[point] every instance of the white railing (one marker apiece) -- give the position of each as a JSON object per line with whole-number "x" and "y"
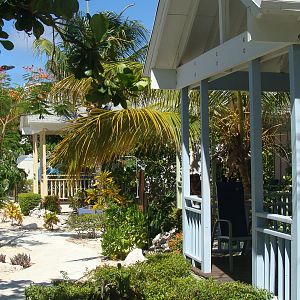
{"x": 65, "y": 186}
{"x": 193, "y": 244}
{"x": 277, "y": 244}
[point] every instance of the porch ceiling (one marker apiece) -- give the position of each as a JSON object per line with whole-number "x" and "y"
{"x": 185, "y": 30}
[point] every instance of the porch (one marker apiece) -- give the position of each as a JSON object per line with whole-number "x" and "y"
{"x": 241, "y": 45}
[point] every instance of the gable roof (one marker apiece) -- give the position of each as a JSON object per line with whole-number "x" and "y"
{"x": 186, "y": 29}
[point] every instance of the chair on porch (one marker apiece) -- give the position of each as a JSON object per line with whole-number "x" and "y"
{"x": 231, "y": 223}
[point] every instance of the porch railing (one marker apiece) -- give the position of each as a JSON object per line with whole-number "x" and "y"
{"x": 65, "y": 186}
{"x": 276, "y": 237}
{"x": 195, "y": 243}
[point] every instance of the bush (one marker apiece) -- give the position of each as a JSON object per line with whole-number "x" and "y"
{"x": 175, "y": 244}
{"x": 50, "y": 219}
{"x": 52, "y": 203}
{"x": 162, "y": 277}
{"x": 124, "y": 230}
{"x": 28, "y": 201}
{"x": 21, "y": 259}
{"x": 13, "y": 212}
{"x": 86, "y": 225}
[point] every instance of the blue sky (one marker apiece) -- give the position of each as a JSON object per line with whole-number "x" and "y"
{"x": 21, "y": 56}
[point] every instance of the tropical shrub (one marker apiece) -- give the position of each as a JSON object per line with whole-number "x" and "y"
{"x": 86, "y": 224}
{"x": 28, "y": 201}
{"x": 50, "y": 219}
{"x": 78, "y": 200}
{"x": 175, "y": 244}
{"x": 162, "y": 277}
{"x": 104, "y": 191}
{"x": 124, "y": 230}
{"x": 13, "y": 212}
{"x": 52, "y": 203}
{"x": 21, "y": 259}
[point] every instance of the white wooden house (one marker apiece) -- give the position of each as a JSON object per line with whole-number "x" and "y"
{"x": 234, "y": 45}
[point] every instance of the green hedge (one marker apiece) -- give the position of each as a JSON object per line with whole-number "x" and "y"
{"x": 162, "y": 277}
{"x": 28, "y": 201}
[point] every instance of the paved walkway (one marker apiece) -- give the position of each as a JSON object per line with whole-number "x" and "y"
{"x": 51, "y": 253}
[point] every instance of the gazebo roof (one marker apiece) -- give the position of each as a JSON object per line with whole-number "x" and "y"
{"x": 185, "y": 31}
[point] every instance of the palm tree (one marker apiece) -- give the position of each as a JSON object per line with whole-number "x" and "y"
{"x": 153, "y": 118}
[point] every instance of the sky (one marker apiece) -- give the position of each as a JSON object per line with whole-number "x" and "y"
{"x": 22, "y": 56}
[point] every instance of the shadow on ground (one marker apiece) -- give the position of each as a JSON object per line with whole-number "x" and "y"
{"x": 13, "y": 290}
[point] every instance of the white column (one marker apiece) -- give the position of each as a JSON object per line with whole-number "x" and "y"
{"x": 35, "y": 163}
{"x": 185, "y": 158}
{"x": 294, "y": 66}
{"x": 205, "y": 179}
{"x": 256, "y": 172}
{"x": 43, "y": 164}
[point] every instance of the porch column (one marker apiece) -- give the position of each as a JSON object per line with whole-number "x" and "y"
{"x": 256, "y": 173}
{"x": 43, "y": 164}
{"x": 185, "y": 137}
{"x": 178, "y": 182}
{"x": 205, "y": 178}
{"x": 35, "y": 163}
{"x": 294, "y": 66}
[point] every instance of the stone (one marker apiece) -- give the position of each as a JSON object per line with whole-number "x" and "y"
{"x": 136, "y": 255}
{"x": 156, "y": 239}
{"x": 31, "y": 226}
{"x": 6, "y": 267}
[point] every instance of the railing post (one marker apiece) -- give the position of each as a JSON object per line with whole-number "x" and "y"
{"x": 294, "y": 67}
{"x": 256, "y": 173}
{"x": 185, "y": 160}
{"x": 205, "y": 179}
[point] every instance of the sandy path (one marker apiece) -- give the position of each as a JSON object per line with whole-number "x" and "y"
{"x": 51, "y": 253}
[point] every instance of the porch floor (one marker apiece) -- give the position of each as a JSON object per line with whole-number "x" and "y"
{"x": 220, "y": 269}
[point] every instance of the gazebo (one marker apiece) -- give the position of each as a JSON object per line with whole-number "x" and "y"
{"x": 248, "y": 45}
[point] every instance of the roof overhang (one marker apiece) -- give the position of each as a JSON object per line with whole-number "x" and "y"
{"x": 262, "y": 28}
{"x": 50, "y": 124}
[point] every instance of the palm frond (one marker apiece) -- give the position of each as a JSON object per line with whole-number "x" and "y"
{"x": 105, "y": 135}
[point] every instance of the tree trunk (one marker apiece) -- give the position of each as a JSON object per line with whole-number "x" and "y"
{"x": 244, "y": 172}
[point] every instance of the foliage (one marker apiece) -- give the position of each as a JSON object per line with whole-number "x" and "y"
{"x": 52, "y": 203}
{"x": 125, "y": 172}
{"x": 2, "y": 258}
{"x": 176, "y": 243}
{"x": 98, "y": 40}
{"x": 230, "y": 125}
{"x": 86, "y": 224}
{"x": 63, "y": 291}
{"x": 124, "y": 230}
{"x": 105, "y": 135}
{"x": 31, "y": 16}
{"x": 105, "y": 191}
{"x": 28, "y": 201}
{"x": 21, "y": 259}
{"x": 78, "y": 200}
{"x": 13, "y": 103}
{"x": 13, "y": 212}
{"x": 50, "y": 219}
{"x": 161, "y": 277}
